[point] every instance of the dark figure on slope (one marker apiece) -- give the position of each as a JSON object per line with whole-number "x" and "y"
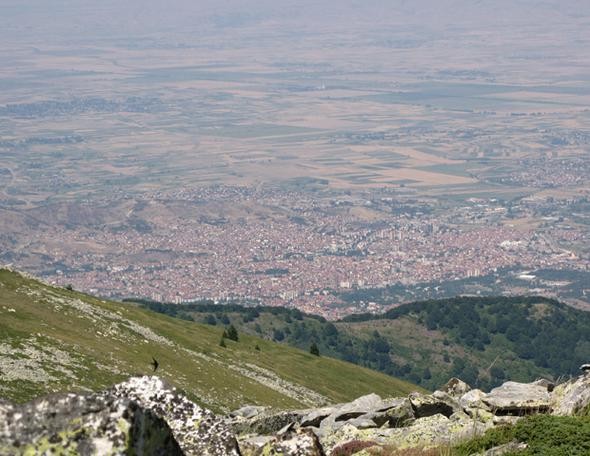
{"x": 155, "y": 364}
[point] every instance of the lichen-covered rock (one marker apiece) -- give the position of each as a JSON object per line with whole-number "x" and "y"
{"x": 267, "y": 422}
{"x": 425, "y": 432}
{"x": 507, "y": 448}
{"x": 472, "y": 403}
{"x": 455, "y": 387}
{"x": 436, "y": 403}
{"x": 358, "y": 407}
{"x": 315, "y": 417}
{"x": 362, "y": 423}
{"x": 365, "y": 412}
{"x": 253, "y": 444}
{"x": 142, "y": 416}
{"x": 197, "y": 430}
{"x": 473, "y": 398}
{"x": 399, "y": 414}
{"x": 84, "y": 424}
{"x": 513, "y": 398}
{"x": 300, "y": 442}
{"x": 248, "y": 411}
{"x": 572, "y": 397}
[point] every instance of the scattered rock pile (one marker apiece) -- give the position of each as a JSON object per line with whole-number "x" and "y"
{"x": 145, "y": 416}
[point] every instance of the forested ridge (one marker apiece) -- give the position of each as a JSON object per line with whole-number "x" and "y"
{"x": 483, "y": 340}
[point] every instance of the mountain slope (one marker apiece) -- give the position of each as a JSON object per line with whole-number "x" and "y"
{"x": 483, "y": 340}
{"x": 52, "y": 339}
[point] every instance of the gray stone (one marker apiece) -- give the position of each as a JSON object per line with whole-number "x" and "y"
{"x": 363, "y": 411}
{"x": 572, "y": 397}
{"x": 300, "y": 442}
{"x": 253, "y": 444}
{"x": 436, "y": 403}
{"x": 473, "y": 398}
{"x": 84, "y": 424}
{"x": 472, "y": 403}
{"x": 266, "y": 423}
{"x": 402, "y": 414}
{"x": 315, "y": 417}
{"x": 423, "y": 433}
{"x": 358, "y": 407}
{"x": 509, "y": 447}
{"x": 455, "y": 387}
{"x": 362, "y": 423}
{"x": 248, "y": 411}
{"x": 513, "y": 398}
{"x": 198, "y": 431}
{"x": 506, "y": 420}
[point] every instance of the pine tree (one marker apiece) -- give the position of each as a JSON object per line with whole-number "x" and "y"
{"x": 314, "y": 350}
{"x": 232, "y": 333}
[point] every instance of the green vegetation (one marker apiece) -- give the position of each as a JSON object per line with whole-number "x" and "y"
{"x": 545, "y": 436}
{"x": 482, "y": 340}
{"x": 232, "y": 333}
{"x": 53, "y": 339}
{"x": 314, "y": 350}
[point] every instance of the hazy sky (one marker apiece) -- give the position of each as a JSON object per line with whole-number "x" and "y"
{"x": 55, "y": 20}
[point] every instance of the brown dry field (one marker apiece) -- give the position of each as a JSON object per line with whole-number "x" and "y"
{"x": 359, "y": 105}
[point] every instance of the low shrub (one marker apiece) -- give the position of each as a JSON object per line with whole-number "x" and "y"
{"x": 545, "y": 435}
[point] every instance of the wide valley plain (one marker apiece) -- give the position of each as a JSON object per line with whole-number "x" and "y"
{"x": 310, "y": 157}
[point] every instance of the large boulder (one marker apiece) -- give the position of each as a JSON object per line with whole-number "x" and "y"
{"x": 84, "y": 424}
{"x": 473, "y": 398}
{"x": 473, "y": 404}
{"x": 513, "y": 398}
{"x": 315, "y": 417}
{"x": 436, "y": 403}
{"x": 455, "y": 388}
{"x": 197, "y": 430}
{"x": 397, "y": 412}
{"x": 572, "y": 397}
{"x": 365, "y": 412}
{"x": 266, "y": 423}
{"x": 140, "y": 416}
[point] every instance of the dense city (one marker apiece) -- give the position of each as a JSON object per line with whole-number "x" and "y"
{"x": 223, "y": 243}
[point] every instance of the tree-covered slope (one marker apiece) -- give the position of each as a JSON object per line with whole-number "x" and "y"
{"x": 483, "y": 340}
{"x": 53, "y": 339}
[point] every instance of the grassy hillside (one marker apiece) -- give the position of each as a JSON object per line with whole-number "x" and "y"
{"x": 52, "y": 339}
{"x": 481, "y": 340}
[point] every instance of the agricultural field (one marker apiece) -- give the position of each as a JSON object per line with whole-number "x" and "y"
{"x": 161, "y": 153}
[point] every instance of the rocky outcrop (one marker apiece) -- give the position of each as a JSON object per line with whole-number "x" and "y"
{"x": 572, "y": 397}
{"x": 267, "y": 422}
{"x": 433, "y": 404}
{"x": 197, "y": 430}
{"x": 455, "y": 387}
{"x": 453, "y": 413}
{"x": 519, "y": 399}
{"x": 140, "y": 416}
{"x": 146, "y": 416}
{"x": 84, "y": 424}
